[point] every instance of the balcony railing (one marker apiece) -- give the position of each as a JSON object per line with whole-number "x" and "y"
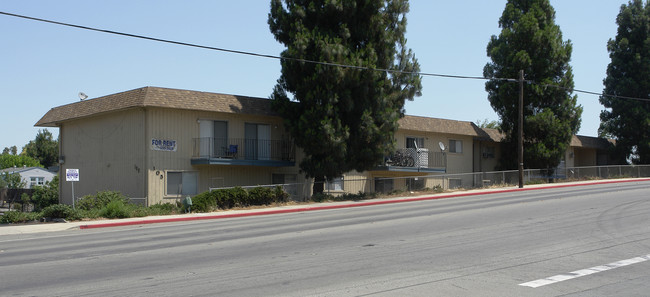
{"x": 243, "y": 149}
{"x": 417, "y": 158}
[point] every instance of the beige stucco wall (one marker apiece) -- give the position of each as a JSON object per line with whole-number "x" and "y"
{"x": 108, "y": 150}
{"x": 584, "y": 157}
{"x": 183, "y": 127}
{"x": 482, "y": 163}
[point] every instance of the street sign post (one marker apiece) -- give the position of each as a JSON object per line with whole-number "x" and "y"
{"x": 72, "y": 175}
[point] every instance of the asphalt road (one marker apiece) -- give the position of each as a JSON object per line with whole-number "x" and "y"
{"x": 580, "y": 241}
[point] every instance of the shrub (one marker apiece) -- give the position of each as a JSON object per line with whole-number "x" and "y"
{"x": 355, "y": 197}
{"x": 321, "y": 197}
{"x": 222, "y": 199}
{"x": 91, "y": 214}
{"x": 163, "y": 209}
{"x": 100, "y": 200}
{"x": 280, "y": 195}
{"x": 47, "y": 195}
{"x": 13, "y": 217}
{"x": 116, "y": 209}
{"x": 204, "y": 202}
{"x": 61, "y": 211}
{"x": 239, "y": 197}
{"x": 260, "y": 196}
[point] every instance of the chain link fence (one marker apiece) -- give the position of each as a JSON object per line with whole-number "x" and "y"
{"x": 474, "y": 180}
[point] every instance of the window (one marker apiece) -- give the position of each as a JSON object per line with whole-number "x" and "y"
{"x": 488, "y": 152}
{"x": 416, "y": 183}
{"x": 182, "y": 183}
{"x": 335, "y": 185}
{"x": 213, "y": 141}
{"x": 415, "y": 142}
{"x": 36, "y": 181}
{"x": 383, "y": 185}
{"x": 455, "y": 146}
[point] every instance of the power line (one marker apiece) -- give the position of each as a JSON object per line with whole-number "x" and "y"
{"x": 304, "y": 60}
{"x": 245, "y": 52}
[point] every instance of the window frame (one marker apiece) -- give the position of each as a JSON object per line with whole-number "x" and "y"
{"x": 183, "y": 174}
{"x": 419, "y": 141}
{"x": 336, "y": 185}
{"x": 455, "y": 146}
{"x": 36, "y": 181}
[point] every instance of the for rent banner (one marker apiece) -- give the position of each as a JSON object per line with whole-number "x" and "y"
{"x": 163, "y": 145}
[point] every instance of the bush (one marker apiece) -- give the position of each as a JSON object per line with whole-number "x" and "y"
{"x": 223, "y": 198}
{"x": 280, "y": 194}
{"x": 13, "y": 217}
{"x": 101, "y": 200}
{"x": 204, "y": 202}
{"x": 355, "y": 197}
{"x": 321, "y": 197}
{"x": 116, "y": 209}
{"x": 239, "y": 197}
{"x": 47, "y": 195}
{"x": 163, "y": 209}
{"x": 61, "y": 211}
{"x": 260, "y": 196}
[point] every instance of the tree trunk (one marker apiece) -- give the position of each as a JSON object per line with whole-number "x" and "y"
{"x": 319, "y": 185}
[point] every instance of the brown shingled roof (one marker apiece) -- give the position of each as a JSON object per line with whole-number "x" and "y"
{"x": 591, "y": 142}
{"x": 425, "y": 124}
{"x": 204, "y": 101}
{"x": 157, "y": 97}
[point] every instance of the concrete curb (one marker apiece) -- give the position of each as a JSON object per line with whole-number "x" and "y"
{"x": 350, "y": 204}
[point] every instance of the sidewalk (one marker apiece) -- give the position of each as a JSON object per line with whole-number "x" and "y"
{"x": 51, "y": 227}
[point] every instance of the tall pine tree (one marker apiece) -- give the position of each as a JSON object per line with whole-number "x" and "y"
{"x": 531, "y": 41}
{"x": 343, "y": 118}
{"x": 628, "y": 74}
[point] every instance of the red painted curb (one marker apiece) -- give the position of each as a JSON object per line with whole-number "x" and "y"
{"x": 349, "y": 205}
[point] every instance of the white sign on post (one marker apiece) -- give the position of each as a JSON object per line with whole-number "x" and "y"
{"x": 72, "y": 175}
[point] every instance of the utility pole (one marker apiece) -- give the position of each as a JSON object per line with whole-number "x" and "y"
{"x": 520, "y": 144}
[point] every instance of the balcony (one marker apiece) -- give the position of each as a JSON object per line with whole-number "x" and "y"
{"x": 415, "y": 160}
{"x": 240, "y": 151}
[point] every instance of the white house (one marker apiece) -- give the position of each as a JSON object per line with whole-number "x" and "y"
{"x": 32, "y": 176}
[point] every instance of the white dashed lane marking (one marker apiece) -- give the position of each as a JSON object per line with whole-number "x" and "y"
{"x": 583, "y": 272}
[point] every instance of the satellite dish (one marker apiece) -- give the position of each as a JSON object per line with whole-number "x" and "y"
{"x": 442, "y": 146}
{"x": 82, "y": 96}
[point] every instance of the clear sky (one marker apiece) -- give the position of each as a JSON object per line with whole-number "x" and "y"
{"x": 45, "y": 65}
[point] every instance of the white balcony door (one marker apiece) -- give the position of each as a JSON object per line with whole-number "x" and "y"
{"x": 206, "y": 133}
{"x": 264, "y": 142}
{"x": 258, "y": 141}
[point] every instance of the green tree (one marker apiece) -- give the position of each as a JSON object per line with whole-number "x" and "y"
{"x": 343, "y": 118}
{"x": 46, "y": 195}
{"x": 43, "y": 148}
{"x": 11, "y": 181}
{"x": 628, "y": 74}
{"x": 531, "y": 41}
{"x": 7, "y": 161}
{"x": 10, "y": 150}
{"x": 488, "y": 124}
